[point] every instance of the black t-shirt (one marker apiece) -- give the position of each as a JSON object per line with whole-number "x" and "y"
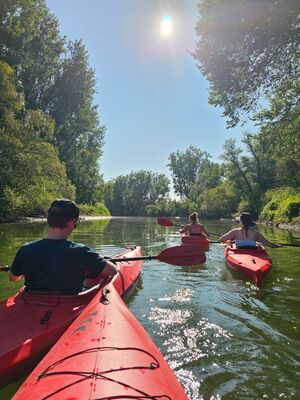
{"x": 57, "y": 265}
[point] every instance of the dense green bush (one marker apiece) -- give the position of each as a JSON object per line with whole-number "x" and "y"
{"x": 98, "y": 209}
{"x": 282, "y": 205}
{"x": 171, "y": 208}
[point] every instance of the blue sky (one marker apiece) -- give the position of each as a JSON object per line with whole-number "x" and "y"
{"x": 151, "y": 96}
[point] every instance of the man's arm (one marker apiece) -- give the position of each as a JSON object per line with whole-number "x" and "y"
{"x": 15, "y": 278}
{"x": 110, "y": 269}
{"x": 16, "y": 270}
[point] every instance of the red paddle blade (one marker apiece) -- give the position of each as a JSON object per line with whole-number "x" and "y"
{"x": 185, "y": 255}
{"x": 164, "y": 221}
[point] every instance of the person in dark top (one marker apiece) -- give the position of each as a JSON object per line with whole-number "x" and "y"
{"x": 54, "y": 263}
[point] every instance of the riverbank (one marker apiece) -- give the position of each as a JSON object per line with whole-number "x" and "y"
{"x": 283, "y": 225}
{"x": 83, "y": 218}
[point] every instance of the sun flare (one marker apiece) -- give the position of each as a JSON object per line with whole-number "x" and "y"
{"x": 166, "y": 25}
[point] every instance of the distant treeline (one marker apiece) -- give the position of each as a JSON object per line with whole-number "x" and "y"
{"x": 51, "y": 138}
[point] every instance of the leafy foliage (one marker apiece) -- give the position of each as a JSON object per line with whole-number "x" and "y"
{"x": 32, "y": 174}
{"x": 97, "y": 209}
{"x": 131, "y": 194}
{"x": 184, "y": 167}
{"x": 30, "y": 43}
{"x": 46, "y": 97}
{"x": 78, "y": 135}
{"x": 282, "y": 205}
{"x": 247, "y": 49}
{"x": 171, "y": 208}
{"x": 220, "y": 201}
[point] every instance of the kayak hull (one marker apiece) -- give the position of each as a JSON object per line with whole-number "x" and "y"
{"x": 195, "y": 240}
{"x": 253, "y": 263}
{"x": 32, "y": 323}
{"x": 105, "y": 354}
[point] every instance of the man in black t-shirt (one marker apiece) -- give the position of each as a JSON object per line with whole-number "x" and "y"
{"x": 54, "y": 263}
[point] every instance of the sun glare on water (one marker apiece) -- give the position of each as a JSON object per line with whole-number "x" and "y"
{"x": 166, "y": 25}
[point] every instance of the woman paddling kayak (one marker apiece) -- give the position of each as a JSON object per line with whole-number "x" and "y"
{"x": 245, "y": 236}
{"x": 194, "y": 228}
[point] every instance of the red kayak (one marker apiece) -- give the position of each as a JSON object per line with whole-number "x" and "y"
{"x": 252, "y": 262}
{"x": 105, "y": 354}
{"x": 196, "y": 240}
{"x": 32, "y": 323}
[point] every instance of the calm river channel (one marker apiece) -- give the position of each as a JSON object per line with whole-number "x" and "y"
{"x": 223, "y": 337}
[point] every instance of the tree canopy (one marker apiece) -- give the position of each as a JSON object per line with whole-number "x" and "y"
{"x": 247, "y": 50}
{"x": 131, "y": 194}
{"x": 46, "y": 97}
{"x": 184, "y": 167}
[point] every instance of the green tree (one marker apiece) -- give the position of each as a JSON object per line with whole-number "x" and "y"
{"x": 132, "y": 193}
{"x": 32, "y": 174}
{"x": 184, "y": 167}
{"x": 220, "y": 202}
{"x": 236, "y": 166}
{"x": 56, "y": 79}
{"x": 247, "y": 49}
{"x": 208, "y": 177}
{"x": 30, "y": 43}
{"x": 251, "y": 174}
{"x": 78, "y": 134}
{"x": 280, "y": 124}
{"x": 11, "y": 101}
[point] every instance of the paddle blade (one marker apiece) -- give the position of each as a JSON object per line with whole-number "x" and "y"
{"x": 164, "y": 221}
{"x": 185, "y": 255}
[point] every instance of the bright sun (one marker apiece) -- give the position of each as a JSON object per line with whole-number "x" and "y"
{"x": 166, "y": 25}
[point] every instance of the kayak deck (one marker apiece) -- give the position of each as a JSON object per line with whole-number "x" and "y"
{"x": 32, "y": 323}
{"x": 252, "y": 262}
{"x": 105, "y": 354}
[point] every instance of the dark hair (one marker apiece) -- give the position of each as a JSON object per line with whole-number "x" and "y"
{"x": 61, "y": 211}
{"x": 194, "y": 216}
{"x": 246, "y": 220}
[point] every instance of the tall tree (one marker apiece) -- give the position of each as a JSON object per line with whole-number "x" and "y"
{"x": 220, "y": 202}
{"x": 32, "y": 174}
{"x": 78, "y": 134}
{"x": 247, "y": 49}
{"x": 132, "y": 193}
{"x": 184, "y": 167}
{"x": 31, "y": 44}
{"x": 208, "y": 177}
{"x": 281, "y": 123}
{"x": 58, "y": 80}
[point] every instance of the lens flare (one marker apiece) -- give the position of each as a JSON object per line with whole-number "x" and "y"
{"x": 166, "y": 25}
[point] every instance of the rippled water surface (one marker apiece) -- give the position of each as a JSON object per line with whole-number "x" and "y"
{"x": 223, "y": 337}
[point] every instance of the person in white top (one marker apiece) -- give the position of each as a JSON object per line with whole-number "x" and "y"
{"x": 245, "y": 235}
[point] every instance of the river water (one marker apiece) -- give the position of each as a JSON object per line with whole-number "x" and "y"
{"x": 223, "y": 337}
